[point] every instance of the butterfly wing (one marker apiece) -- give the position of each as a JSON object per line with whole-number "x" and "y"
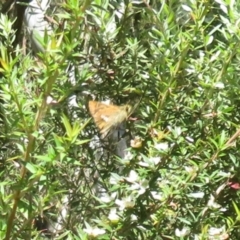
{"x": 106, "y": 116}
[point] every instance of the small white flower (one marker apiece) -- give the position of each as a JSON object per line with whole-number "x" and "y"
{"x": 161, "y": 146}
{"x": 178, "y": 131}
{"x": 155, "y": 160}
{"x": 157, "y": 196}
{"x": 128, "y": 156}
{"x": 182, "y": 233}
{"x": 196, "y": 237}
{"x": 50, "y": 100}
{"x": 144, "y": 164}
{"x": 189, "y": 139}
{"x": 133, "y": 176}
{"x": 150, "y": 162}
{"x": 94, "y": 232}
{"x": 125, "y": 203}
{"x": 196, "y": 195}
{"x": 215, "y": 231}
{"x": 140, "y": 187}
{"x": 133, "y": 218}
{"x": 219, "y": 85}
{"x": 106, "y": 198}
{"x": 25, "y": 140}
{"x": 212, "y": 204}
{"x": 112, "y": 216}
{"x": 191, "y": 169}
{"x": 223, "y": 209}
{"x": 115, "y": 179}
{"x": 186, "y": 8}
{"x": 207, "y": 180}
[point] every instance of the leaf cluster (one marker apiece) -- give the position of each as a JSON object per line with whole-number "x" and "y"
{"x": 181, "y": 60}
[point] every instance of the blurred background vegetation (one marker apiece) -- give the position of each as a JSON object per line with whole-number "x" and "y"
{"x": 180, "y": 59}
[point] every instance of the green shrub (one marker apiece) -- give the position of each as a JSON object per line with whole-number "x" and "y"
{"x": 180, "y": 61}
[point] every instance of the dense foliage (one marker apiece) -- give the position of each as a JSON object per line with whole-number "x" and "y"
{"x": 180, "y": 61}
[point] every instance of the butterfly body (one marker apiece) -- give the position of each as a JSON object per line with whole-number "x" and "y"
{"x": 108, "y": 117}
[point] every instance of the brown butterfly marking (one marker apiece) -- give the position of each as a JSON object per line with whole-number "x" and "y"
{"x": 108, "y": 117}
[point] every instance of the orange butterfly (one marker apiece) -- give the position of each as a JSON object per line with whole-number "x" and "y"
{"x": 108, "y": 117}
